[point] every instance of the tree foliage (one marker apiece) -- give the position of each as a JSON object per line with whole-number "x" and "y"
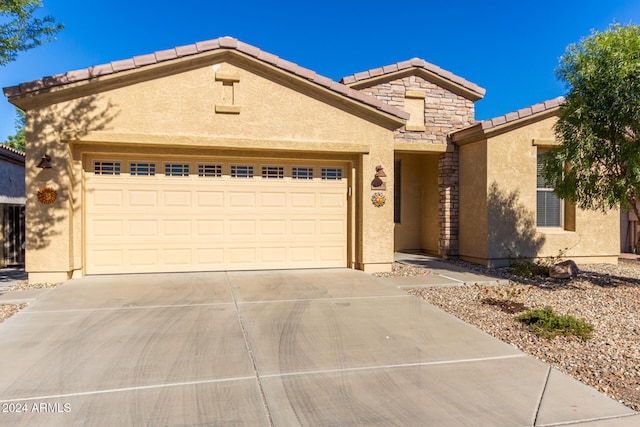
{"x": 597, "y": 165}
{"x": 21, "y": 30}
{"x": 17, "y": 141}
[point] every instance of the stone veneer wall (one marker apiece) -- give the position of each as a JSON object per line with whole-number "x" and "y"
{"x": 444, "y": 112}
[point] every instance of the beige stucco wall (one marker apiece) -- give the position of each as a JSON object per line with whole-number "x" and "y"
{"x": 430, "y": 205}
{"x": 418, "y": 229}
{"x": 175, "y": 108}
{"x": 506, "y": 191}
{"x": 473, "y": 201}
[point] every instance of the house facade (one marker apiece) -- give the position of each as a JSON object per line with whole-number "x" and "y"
{"x": 220, "y": 156}
{"x": 12, "y": 200}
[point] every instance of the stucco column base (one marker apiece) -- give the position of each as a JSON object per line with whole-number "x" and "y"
{"x": 376, "y": 268}
{"x": 48, "y": 277}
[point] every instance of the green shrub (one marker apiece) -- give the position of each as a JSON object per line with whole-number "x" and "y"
{"x": 547, "y": 324}
{"x": 525, "y": 268}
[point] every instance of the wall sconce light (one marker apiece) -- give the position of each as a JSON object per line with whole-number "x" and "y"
{"x": 377, "y": 183}
{"x": 45, "y": 162}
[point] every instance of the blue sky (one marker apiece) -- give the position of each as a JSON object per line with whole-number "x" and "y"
{"x": 509, "y": 48}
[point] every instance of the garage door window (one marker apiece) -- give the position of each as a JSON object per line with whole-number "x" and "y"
{"x": 211, "y": 171}
{"x": 143, "y": 169}
{"x": 301, "y": 173}
{"x": 176, "y": 169}
{"x": 241, "y": 171}
{"x": 106, "y": 168}
{"x": 273, "y": 172}
{"x": 334, "y": 174}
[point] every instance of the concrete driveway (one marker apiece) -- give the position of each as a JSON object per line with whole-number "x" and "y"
{"x": 285, "y": 348}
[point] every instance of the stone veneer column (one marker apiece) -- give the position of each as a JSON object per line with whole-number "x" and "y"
{"x": 448, "y": 203}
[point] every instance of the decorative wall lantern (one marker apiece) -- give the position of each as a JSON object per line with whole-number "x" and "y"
{"x": 45, "y": 162}
{"x": 377, "y": 183}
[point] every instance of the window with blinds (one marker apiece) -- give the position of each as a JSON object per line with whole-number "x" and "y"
{"x": 548, "y": 205}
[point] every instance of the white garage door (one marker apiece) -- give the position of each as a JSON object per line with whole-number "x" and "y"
{"x": 168, "y": 215}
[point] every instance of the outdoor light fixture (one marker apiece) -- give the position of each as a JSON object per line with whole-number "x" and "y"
{"x": 45, "y": 162}
{"x": 377, "y": 183}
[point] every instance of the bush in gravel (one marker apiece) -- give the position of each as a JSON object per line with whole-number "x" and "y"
{"x": 525, "y": 267}
{"x": 548, "y": 324}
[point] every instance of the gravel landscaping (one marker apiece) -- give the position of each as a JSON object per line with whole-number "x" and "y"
{"x": 607, "y": 296}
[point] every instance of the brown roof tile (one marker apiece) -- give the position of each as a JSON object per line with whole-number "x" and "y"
{"x": 143, "y": 60}
{"x": 126, "y": 64}
{"x": 166, "y": 55}
{"x": 207, "y": 45}
{"x": 414, "y": 63}
{"x": 522, "y": 113}
{"x": 190, "y": 49}
{"x": 200, "y": 47}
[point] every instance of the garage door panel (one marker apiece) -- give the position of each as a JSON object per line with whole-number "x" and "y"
{"x": 241, "y": 199}
{"x": 177, "y": 257}
{"x": 107, "y": 198}
{"x": 177, "y": 228}
{"x": 273, "y": 255}
{"x": 180, "y": 199}
{"x": 303, "y": 200}
{"x": 106, "y": 228}
{"x": 142, "y": 228}
{"x": 192, "y": 223}
{"x": 207, "y": 228}
{"x": 332, "y": 200}
{"x": 209, "y": 199}
{"x": 148, "y": 199}
{"x": 273, "y": 227}
{"x": 142, "y": 257}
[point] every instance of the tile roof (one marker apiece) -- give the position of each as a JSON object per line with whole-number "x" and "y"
{"x": 522, "y": 113}
{"x": 11, "y": 153}
{"x": 414, "y": 63}
{"x": 194, "y": 49}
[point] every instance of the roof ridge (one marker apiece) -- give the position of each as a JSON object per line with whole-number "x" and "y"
{"x": 413, "y": 63}
{"x": 225, "y": 42}
{"x": 522, "y": 113}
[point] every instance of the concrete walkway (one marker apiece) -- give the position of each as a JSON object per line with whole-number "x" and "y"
{"x": 442, "y": 273}
{"x": 280, "y": 348}
{"x": 11, "y": 275}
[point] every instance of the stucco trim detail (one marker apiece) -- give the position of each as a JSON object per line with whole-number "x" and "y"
{"x": 411, "y": 147}
{"x": 214, "y": 142}
{"x": 228, "y": 109}
{"x": 227, "y": 77}
{"x": 416, "y": 94}
{"x": 544, "y": 142}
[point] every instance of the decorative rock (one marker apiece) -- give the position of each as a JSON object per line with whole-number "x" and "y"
{"x": 564, "y": 270}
